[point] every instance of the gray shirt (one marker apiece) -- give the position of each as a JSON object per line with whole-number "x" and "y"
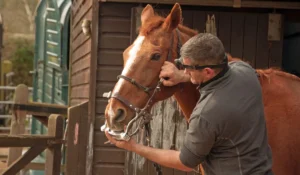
{"x": 227, "y": 131}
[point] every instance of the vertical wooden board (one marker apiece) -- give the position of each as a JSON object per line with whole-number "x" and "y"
{"x": 250, "y": 34}
{"x": 181, "y": 127}
{"x": 169, "y": 127}
{"x": 156, "y": 131}
{"x": 136, "y": 164}
{"x": 276, "y": 47}
{"x": 237, "y": 35}
{"x": 199, "y": 20}
{"x": 262, "y": 45}
{"x": 135, "y": 22}
{"x": 77, "y": 139}
{"x": 224, "y": 32}
{"x": 53, "y": 154}
{"x": 188, "y": 17}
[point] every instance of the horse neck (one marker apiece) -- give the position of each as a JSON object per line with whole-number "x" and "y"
{"x": 187, "y": 95}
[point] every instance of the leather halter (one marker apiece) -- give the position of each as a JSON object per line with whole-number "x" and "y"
{"x": 142, "y": 87}
{"x": 144, "y": 112}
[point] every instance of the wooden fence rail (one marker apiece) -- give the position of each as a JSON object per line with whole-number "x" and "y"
{"x": 38, "y": 143}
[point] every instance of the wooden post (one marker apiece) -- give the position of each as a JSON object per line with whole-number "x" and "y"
{"x": 77, "y": 139}
{"x": 53, "y": 153}
{"x": 18, "y": 121}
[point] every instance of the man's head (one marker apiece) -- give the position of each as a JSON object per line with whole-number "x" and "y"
{"x": 202, "y": 49}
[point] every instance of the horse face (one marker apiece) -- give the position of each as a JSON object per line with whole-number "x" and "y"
{"x": 142, "y": 64}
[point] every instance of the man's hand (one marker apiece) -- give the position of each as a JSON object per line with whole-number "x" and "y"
{"x": 121, "y": 144}
{"x": 169, "y": 70}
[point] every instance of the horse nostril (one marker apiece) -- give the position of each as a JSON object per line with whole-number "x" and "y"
{"x": 120, "y": 116}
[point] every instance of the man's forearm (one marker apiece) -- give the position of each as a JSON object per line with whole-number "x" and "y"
{"x": 167, "y": 158}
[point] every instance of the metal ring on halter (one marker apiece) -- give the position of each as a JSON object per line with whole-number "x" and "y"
{"x": 139, "y": 113}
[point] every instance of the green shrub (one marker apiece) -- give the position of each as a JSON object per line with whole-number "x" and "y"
{"x": 22, "y": 62}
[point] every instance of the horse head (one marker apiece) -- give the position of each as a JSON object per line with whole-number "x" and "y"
{"x": 158, "y": 41}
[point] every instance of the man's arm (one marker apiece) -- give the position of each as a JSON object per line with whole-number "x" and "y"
{"x": 167, "y": 158}
{"x": 169, "y": 70}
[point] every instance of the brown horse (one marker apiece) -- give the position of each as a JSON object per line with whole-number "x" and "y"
{"x": 157, "y": 42}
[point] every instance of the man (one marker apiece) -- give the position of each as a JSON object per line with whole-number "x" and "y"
{"x": 227, "y": 130}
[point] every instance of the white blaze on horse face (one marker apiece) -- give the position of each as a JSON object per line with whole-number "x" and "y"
{"x": 130, "y": 61}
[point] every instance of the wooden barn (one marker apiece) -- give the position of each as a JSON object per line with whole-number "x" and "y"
{"x": 101, "y": 30}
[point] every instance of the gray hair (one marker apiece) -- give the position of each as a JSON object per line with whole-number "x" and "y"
{"x": 203, "y": 48}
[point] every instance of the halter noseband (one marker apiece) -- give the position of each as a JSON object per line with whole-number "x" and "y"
{"x": 144, "y": 111}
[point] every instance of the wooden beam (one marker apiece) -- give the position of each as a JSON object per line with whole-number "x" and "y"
{"x": 92, "y": 87}
{"x": 220, "y": 3}
{"x": 41, "y": 109}
{"x": 20, "y": 163}
{"x": 27, "y": 140}
{"x": 53, "y": 153}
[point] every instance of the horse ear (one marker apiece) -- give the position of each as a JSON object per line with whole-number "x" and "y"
{"x": 147, "y": 13}
{"x": 173, "y": 19}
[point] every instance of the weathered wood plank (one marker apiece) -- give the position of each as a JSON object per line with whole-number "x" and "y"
{"x": 199, "y": 20}
{"x": 103, "y": 87}
{"x": 262, "y": 45}
{"x": 40, "y": 166}
{"x": 44, "y": 109}
{"x": 113, "y": 169}
{"x": 82, "y": 51}
{"x": 53, "y": 153}
{"x": 116, "y": 10}
{"x": 224, "y": 32}
{"x": 80, "y": 91}
{"x": 18, "y": 121}
{"x": 78, "y": 41}
{"x": 82, "y": 13}
{"x": 109, "y": 73}
{"x": 114, "y": 25}
{"x": 250, "y": 34}
{"x": 110, "y": 57}
{"x": 80, "y": 78}
{"x": 237, "y": 35}
{"x": 92, "y": 88}
{"x": 135, "y": 23}
{"x": 114, "y": 41}
{"x": 187, "y": 17}
{"x": 78, "y": 29}
{"x": 109, "y": 155}
{"x": 81, "y": 64}
{"x": 223, "y": 3}
{"x": 20, "y": 163}
{"x": 276, "y": 49}
{"x": 77, "y": 139}
{"x": 25, "y": 140}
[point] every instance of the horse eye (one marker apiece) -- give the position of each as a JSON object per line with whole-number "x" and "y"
{"x": 155, "y": 56}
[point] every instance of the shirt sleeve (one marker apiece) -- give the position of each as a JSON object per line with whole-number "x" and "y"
{"x": 199, "y": 140}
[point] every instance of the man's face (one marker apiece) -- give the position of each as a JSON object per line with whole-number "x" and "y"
{"x": 197, "y": 76}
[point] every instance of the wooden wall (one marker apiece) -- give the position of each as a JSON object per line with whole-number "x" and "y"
{"x": 80, "y": 53}
{"x": 114, "y": 37}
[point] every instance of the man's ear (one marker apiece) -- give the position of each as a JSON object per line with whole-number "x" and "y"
{"x": 173, "y": 19}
